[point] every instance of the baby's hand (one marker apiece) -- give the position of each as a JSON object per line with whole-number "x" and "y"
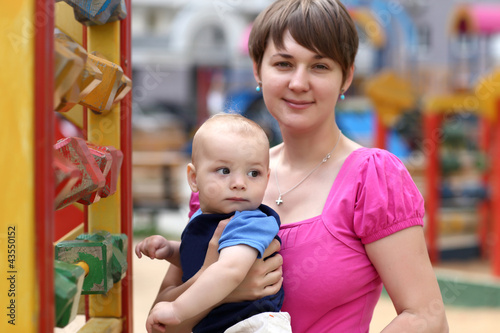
{"x": 155, "y": 247}
{"x": 162, "y": 315}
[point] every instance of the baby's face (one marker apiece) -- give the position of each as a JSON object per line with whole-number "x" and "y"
{"x": 232, "y": 172}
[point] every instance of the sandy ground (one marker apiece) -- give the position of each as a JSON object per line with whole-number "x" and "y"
{"x": 149, "y": 273}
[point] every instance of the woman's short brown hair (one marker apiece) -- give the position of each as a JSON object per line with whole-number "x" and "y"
{"x": 322, "y": 26}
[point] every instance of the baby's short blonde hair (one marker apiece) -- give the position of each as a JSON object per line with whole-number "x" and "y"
{"x": 223, "y": 123}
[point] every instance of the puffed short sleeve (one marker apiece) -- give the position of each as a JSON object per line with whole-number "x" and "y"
{"x": 194, "y": 203}
{"x": 252, "y": 228}
{"x": 387, "y": 198}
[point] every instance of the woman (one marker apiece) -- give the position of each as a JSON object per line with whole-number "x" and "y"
{"x": 351, "y": 216}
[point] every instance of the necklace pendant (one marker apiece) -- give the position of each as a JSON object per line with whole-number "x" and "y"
{"x": 279, "y": 201}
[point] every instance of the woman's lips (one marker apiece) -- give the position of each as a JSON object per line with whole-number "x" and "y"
{"x": 297, "y": 104}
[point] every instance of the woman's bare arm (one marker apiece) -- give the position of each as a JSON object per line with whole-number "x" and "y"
{"x": 403, "y": 264}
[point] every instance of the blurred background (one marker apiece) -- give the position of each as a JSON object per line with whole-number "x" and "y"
{"x": 425, "y": 87}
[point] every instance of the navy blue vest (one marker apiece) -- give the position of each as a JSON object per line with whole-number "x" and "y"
{"x": 194, "y": 245}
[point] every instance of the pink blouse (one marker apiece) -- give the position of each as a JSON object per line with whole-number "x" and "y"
{"x": 330, "y": 284}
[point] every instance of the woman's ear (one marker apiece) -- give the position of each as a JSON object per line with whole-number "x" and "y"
{"x": 191, "y": 177}
{"x": 256, "y": 74}
{"x": 348, "y": 79}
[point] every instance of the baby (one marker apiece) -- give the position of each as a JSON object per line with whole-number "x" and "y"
{"x": 230, "y": 171}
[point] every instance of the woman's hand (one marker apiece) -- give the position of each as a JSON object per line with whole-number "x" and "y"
{"x": 263, "y": 279}
{"x": 157, "y": 247}
{"x": 213, "y": 246}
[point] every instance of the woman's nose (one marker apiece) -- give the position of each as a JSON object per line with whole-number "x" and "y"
{"x": 299, "y": 80}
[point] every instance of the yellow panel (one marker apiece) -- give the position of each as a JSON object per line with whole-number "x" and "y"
{"x": 108, "y": 305}
{"x": 17, "y": 213}
{"x": 102, "y": 325}
{"x": 487, "y": 91}
{"x": 75, "y": 115}
{"x": 451, "y": 103}
{"x": 105, "y": 130}
{"x": 65, "y": 21}
{"x": 105, "y": 39}
{"x": 71, "y": 235}
{"x": 391, "y": 95}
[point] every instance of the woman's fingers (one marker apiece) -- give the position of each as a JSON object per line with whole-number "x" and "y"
{"x": 273, "y": 264}
{"x": 213, "y": 246}
{"x": 273, "y": 247}
{"x": 218, "y": 232}
{"x": 273, "y": 288}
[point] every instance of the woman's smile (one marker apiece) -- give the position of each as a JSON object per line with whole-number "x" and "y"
{"x": 298, "y": 104}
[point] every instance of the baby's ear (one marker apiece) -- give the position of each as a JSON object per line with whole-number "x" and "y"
{"x": 191, "y": 177}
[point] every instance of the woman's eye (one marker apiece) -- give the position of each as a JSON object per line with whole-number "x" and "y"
{"x": 283, "y": 64}
{"x": 321, "y": 66}
{"x": 223, "y": 171}
{"x": 254, "y": 173}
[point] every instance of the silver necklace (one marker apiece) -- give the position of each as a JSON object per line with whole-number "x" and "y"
{"x": 279, "y": 201}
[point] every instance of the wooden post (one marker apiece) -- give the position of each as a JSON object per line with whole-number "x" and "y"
{"x": 26, "y": 129}
{"x": 126, "y": 171}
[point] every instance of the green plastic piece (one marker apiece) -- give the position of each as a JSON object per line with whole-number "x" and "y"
{"x": 105, "y": 254}
{"x": 119, "y": 262}
{"x": 68, "y": 283}
{"x": 97, "y": 251}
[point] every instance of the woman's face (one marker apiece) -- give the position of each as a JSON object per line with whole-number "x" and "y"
{"x": 300, "y": 87}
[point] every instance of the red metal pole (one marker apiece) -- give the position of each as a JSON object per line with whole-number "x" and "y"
{"x": 203, "y": 77}
{"x": 44, "y": 178}
{"x": 485, "y": 204}
{"x": 495, "y": 197}
{"x": 432, "y": 177}
{"x": 126, "y": 171}
{"x": 380, "y": 133}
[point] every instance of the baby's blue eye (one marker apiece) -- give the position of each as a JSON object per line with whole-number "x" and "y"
{"x": 254, "y": 173}
{"x": 223, "y": 171}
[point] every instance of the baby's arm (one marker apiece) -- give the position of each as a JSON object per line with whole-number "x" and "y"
{"x": 157, "y": 247}
{"x": 212, "y": 286}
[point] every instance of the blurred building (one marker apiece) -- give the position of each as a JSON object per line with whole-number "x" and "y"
{"x": 184, "y": 50}
{"x": 179, "y": 47}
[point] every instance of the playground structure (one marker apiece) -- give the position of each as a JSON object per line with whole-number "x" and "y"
{"x": 67, "y": 212}
{"x": 467, "y": 90}
{"x": 33, "y": 229}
